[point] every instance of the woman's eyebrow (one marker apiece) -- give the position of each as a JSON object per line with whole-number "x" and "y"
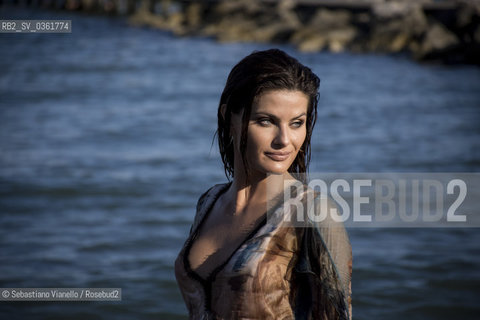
{"x": 275, "y": 117}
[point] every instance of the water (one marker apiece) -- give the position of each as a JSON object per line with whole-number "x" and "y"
{"x": 106, "y": 144}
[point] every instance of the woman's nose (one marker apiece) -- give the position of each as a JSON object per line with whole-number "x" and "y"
{"x": 282, "y": 137}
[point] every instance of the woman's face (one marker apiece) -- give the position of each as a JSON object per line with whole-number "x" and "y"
{"x": 276, "y": 131}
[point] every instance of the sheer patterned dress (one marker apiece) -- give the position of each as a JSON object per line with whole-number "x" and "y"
{"x": 280, "y": 271}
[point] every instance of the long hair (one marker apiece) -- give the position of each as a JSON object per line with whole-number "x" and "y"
{"x": 255, "y": 74}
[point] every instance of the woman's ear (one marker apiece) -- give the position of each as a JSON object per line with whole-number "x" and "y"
{"x": 223, "y": 109}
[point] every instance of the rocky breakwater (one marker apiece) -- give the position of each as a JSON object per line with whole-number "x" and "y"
{"x": 447, "y": 31}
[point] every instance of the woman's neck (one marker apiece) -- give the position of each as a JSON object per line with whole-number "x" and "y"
{"x": 256, "y": 191}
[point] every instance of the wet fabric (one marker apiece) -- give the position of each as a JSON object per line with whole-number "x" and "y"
{"x": 280, "y": 271}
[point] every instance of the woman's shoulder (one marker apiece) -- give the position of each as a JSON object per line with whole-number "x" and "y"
{"x": 211, "y": 194}
{"x": 205, "y": 201}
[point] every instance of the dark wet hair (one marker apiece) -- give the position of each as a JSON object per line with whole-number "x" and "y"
{"x": 255, "y": 74}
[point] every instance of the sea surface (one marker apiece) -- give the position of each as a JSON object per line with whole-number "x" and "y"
{"x": 106, "y": 144}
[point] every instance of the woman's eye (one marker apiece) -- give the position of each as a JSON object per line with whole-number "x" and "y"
{"x": 297, "y": 124}
{"x": 264, "y": 122}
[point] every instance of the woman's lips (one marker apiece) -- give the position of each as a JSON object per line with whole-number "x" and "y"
{"x": 278, "y": 156}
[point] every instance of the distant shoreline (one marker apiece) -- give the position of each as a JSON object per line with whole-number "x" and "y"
{"x": 441, "y": 31}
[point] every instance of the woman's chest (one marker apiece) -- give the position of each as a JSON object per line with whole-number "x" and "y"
{"x": 257, "y": 276}
{"x": 218, "y": 238}
{"x": 272, "y": 250}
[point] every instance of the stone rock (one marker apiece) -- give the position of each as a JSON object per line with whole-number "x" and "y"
{"x": 248, "y": 7}
{"x": 275, "y": 32}
{"x": 193, "y": 15}
{"x": 145, "y": 18}
{"x": 473, "y": 4}
{"x": 399, "y": 42}
{"x": 437, "y": 39}
{"x": 382, "y": 34}
{"x": 391, "y": 25}
{"x": 312, "y": 44}
{"x": 312, "y": 40}
{"x": 396, "y": 33}
{"x": 415, "y": 21}
{"x": 327, "y": 29}
{"x": 339, "y": 39}
{"x": 393, "y": 9}
{"x": 233, "y": 30}
{"x": 325, "y": 18}
{"x": 252, "y": 21}
{"x": 286, "y": 15}
{"x": 88, "y": 5}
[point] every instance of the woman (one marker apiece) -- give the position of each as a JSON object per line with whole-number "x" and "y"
{"x": 240, "y": 261}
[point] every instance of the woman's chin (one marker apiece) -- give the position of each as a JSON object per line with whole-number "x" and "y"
{"x": 277, "y": 170}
